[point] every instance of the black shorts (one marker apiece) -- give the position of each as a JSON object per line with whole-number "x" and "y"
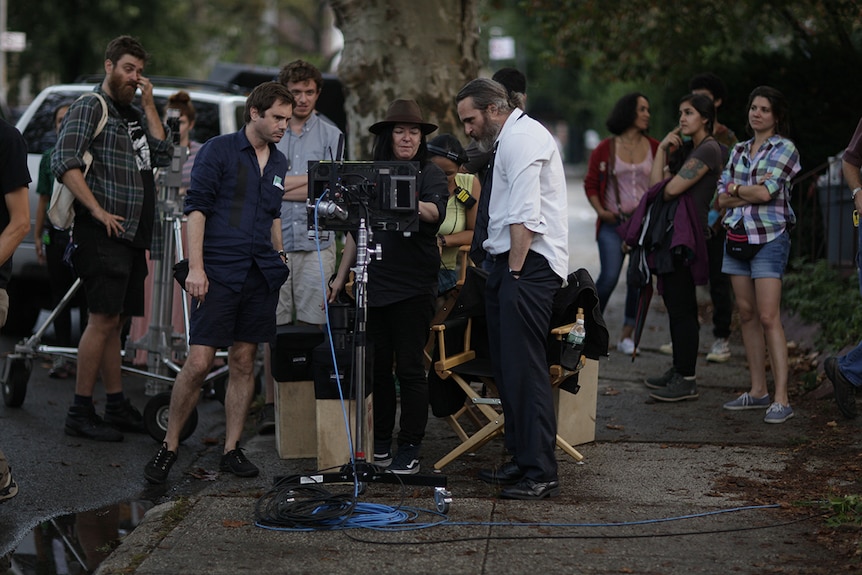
{"x": 113, "y": 273}
{"x": 226, "y": 316}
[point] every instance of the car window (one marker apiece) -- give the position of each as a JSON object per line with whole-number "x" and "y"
{"x": 39, "y": 133}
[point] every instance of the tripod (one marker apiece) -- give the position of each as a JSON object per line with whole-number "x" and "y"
{"x": 359, "y": 471}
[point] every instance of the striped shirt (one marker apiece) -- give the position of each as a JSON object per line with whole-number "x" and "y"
{"x": 773, "y": 166}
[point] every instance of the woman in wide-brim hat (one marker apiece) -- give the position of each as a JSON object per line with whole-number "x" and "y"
{"x": 402, "y": 287}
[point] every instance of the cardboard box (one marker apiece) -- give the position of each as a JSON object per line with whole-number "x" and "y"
{"x": 296, "y": 419}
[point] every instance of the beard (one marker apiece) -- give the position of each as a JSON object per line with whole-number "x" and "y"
{"x": 122, "y": 92}
{"x": 489, "y": 134}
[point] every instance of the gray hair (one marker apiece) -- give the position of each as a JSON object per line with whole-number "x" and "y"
{"x": 486, "y": 92}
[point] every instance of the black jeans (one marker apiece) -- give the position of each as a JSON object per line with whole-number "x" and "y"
{"x": 680, "y": 299}
{"x": 399, "y": 331}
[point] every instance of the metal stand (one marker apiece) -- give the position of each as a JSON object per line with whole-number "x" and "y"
{"x": 360, "y": 471}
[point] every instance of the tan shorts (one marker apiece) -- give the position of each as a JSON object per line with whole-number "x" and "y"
{"x": 302, "y": 294}
{"x": 4, "y": 307}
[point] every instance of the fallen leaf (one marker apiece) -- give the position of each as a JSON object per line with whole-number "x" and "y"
{"x": 615, "y": 426}
{"x": 234, "y": 523}
{"x": 610, "y": 391}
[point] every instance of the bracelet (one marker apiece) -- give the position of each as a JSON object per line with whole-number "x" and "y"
{"x": 854, "y": 192}
{"x": 282, "y": 255}
{"x": 442, "y": 239}
{"x": 515, "y": 273}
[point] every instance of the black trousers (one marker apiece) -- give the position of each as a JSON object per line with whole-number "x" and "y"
{"x": 680, "y": 299}
{"x": 519, "y": 320}
{"x": 399, "y": 332}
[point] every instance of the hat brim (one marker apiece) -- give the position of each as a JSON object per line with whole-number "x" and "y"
{"x": 380, "y": 126}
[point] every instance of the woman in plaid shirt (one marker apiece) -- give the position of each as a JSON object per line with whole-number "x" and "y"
{"x": 755, "y": 189}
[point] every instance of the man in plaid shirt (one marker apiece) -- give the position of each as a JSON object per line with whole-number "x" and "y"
{"x": 114, "y": 222}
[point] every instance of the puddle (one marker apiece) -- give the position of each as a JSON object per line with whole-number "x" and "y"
{"x": 76, "y": 544}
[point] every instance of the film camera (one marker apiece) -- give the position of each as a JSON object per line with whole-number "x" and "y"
{"x": 384, "y": 194}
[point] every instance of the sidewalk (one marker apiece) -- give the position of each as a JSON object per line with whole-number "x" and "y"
{"x": 721, "y": 476}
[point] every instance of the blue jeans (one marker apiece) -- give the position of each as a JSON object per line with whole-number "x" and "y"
{"x": 851, "y": 364}
{"x": 611, "y": 258}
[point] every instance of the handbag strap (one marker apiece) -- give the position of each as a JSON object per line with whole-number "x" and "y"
{"x": 612, "y": 173}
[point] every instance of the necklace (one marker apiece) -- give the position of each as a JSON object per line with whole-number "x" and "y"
{"x": 630, "y": 148}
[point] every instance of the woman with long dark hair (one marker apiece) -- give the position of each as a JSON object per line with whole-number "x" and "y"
{"x": 692, "y": 171}
{"x": 402, "y": 287}
{"x": 616, "y": 180}
{"x": 755, "y": 189}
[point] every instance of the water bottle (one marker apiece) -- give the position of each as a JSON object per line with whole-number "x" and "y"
{"x": 574, "y": 347}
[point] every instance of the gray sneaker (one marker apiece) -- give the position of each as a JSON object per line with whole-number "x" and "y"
{"x": 661, "y": 381}
{"x": 747, "y": 401}
{"x": 778, "y": 413}
{"x": 677, "y": 389}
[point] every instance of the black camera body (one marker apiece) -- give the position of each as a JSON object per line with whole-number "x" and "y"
{"x": 384, "y": 194}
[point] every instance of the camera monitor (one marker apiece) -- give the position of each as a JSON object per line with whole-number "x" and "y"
{"x": 385, "y": 194}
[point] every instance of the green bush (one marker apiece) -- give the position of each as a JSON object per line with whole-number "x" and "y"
{"x": 821, "y": 295}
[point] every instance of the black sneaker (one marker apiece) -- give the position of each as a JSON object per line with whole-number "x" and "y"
{"x": 156, "y": 471}
{"x": 82, "y": 421}
{"x": 236, "y": 462}
{"x": 661, "y": 381}
{"x": 677, "y": 389}
{"x": 406, "y": 460}
{"x": 845, "y": 393}
{"x": 382, "y": 453}
{"x": 266, "y": 420}
{"x": 124, "y": 416}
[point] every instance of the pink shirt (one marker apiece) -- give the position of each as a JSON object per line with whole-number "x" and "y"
{"x": 632, "y": 180}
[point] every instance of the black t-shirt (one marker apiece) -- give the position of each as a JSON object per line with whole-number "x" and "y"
{"x": 13, "y": 175}
{"x": 133, "y": 119}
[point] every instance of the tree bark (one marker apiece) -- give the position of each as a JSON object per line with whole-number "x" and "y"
{"x": 404, "y": 49}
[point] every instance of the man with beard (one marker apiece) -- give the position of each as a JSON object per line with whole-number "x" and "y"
{"x": 523, "y": 211}
{"x": 114, "y": 221}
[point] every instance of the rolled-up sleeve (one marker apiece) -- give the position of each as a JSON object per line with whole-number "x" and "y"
{"x": 206, "y": 179}
{"x": 782, "y": 164}
{"x": 525, "y": 172}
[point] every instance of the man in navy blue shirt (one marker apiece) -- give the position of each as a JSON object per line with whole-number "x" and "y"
{"x": 236, "y": 267}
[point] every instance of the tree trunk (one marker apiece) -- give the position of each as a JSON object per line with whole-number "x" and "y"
{"x": 404, "y": 49}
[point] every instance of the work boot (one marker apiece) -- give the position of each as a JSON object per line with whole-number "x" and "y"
{"x": 124, "y": 416}
{"x": 82, "y": 421}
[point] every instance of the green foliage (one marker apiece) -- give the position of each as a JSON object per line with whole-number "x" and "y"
{"x": 846, "y": 509}
{"x": 821, "y": 296}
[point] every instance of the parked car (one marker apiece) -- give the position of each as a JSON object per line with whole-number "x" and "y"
{"x": 219, "y": 109}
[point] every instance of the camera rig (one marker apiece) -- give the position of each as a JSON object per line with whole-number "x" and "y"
{"x": 383, "y": 194}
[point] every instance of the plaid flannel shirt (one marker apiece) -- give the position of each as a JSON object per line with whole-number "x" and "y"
{"x": 773, "y": 166}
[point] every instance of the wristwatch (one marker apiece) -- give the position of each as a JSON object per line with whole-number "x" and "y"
{"x": 855, "y": 191}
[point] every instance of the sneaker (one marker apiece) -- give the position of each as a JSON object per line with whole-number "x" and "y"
{"x": 266, "y": 420}
{"x": 778, "y": 413}
{"x": 59, "y": 369}
{"x": 666, "y": 348}
{"x": 8, "y": 487}
{"x": 124, "y": 416}
{"x": 156, "y": 471}
{"x": 747, "y": 401}
{"x": 677, "y": 389}
{"x": 406, "y": 460}
{"x": 382, "y": 453}
{"x": 82, "y": 421}
{"x": 627, "y": 346}
{"x": 236, "y": 462}
{"x": 661, "y": 381}
{"x": 845, "y": 393}
{"x": 720, "y": 351}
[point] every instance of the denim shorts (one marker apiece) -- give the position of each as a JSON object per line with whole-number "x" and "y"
{"x": 226, "y": 316}
{"x": 769, "y": 262}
